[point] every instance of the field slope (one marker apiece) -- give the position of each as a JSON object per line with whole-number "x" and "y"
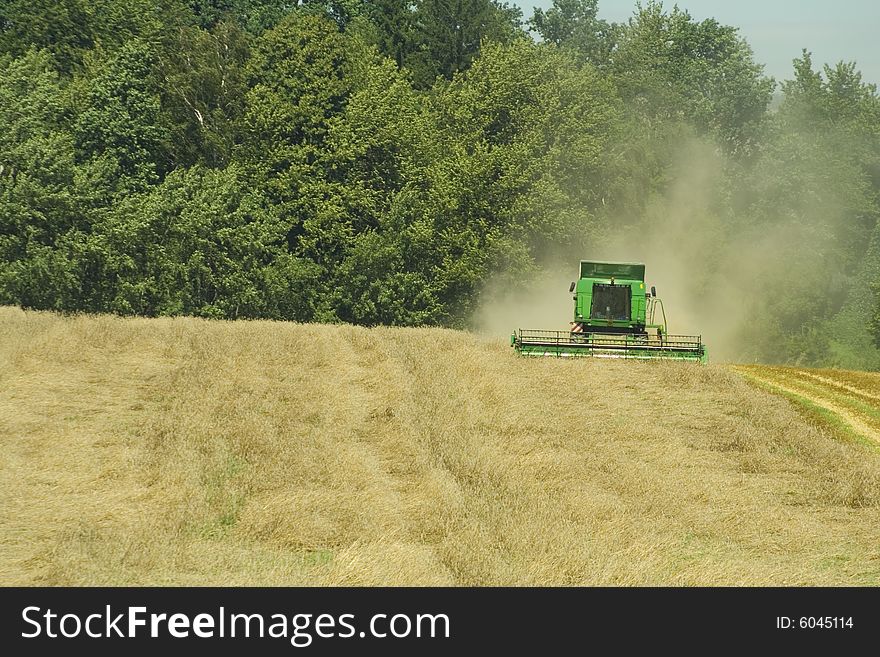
{"x": 185, "y": 451}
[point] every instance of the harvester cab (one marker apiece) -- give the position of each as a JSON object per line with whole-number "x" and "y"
{"x": 614, "y": 317}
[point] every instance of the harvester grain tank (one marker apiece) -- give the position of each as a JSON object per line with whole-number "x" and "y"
{"x": 615, "y": 316}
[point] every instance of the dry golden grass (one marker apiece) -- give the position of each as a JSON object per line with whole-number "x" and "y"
{"x": 180, "y": 451}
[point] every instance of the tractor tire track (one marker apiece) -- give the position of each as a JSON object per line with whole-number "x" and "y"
{"x": 792, "y": 384}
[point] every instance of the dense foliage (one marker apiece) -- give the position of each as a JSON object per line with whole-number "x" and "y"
{"x": 378, "y": 162}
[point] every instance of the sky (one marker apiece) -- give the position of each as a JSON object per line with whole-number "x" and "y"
{"x": 778, "y": 30}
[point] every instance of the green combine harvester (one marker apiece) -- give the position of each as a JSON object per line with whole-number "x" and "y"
{"x": 614, "y": 317}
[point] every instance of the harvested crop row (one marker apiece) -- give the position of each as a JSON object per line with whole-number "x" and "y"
{"x": 853, "y": 406}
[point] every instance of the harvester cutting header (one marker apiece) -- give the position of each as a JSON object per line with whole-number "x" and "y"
{"x": 614, "y": 317}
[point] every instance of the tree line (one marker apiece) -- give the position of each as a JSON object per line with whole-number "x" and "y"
{"x": 378, "y": 162}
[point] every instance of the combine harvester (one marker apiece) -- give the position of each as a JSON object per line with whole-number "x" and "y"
{"x": 614, "y": 317}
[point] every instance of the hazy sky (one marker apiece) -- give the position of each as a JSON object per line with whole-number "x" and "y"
{"x": 777, "y": 30}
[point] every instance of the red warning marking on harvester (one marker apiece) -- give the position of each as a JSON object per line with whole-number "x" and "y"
{"x": 577, "y": 327}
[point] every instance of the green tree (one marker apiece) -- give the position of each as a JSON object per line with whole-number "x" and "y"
{"x": 202, "y": 89}
{"x": 61, "y": 26}
{"x": 201, "y": 243}
{"x": 299, "y": 78}
{"x": 253, "y": 16}
{"x": 447, "y": 35}
{"x": 834, "y": 118}
{"x": 527, "y": 130}
{"x": 378, "y": 164}
{"x": 38, "y": 197}
{"x": 670, "y": 67}
{"x": 392, "y": 24}
{"x": 121, "y": 135}
{"x": 575, "y": 24}
{"x": 828, "y": 131}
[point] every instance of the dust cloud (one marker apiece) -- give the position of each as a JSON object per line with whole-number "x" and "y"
{"x": 545, "y": 304}
{"x": 739, "y": 283}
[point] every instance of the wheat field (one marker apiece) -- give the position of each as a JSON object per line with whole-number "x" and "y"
{"x": 191, "y": 452}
